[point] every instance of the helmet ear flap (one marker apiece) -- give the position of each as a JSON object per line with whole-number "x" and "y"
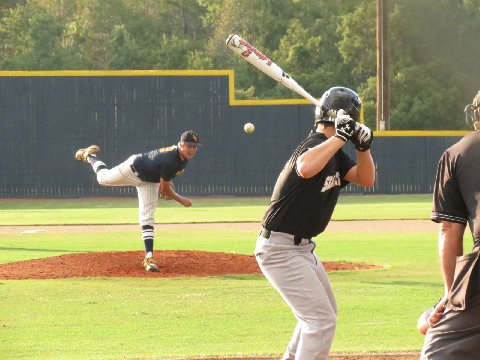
{"x": 338, "y": 98}
{"x": 322, "y": 116}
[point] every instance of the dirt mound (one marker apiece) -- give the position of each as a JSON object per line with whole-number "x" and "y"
{"x": 174, "y": 263}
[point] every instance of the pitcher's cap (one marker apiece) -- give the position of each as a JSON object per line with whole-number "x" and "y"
{"x": 190, "y": 137}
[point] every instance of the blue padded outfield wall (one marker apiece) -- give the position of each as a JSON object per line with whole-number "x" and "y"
{"x": 46, "y": 116}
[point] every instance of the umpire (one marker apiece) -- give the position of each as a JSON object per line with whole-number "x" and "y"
{"x": 301, "y": 206}
{"x": 452, "y": 327}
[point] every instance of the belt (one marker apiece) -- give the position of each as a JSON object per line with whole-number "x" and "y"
{"x": 267, "y": 233}
{"x": 133, "y": 169}
{"x": 132, "y": 159}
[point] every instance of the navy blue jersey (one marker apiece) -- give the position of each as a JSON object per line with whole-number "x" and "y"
{"x": 303, "y": 207}
{"x": 162, "y": 163}
{"x": 456, "y": 195}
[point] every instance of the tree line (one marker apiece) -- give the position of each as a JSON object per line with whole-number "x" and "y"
{"x": 434, "y": 49}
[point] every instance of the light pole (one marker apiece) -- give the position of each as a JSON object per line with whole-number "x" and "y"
{"x": 383, "y": 89}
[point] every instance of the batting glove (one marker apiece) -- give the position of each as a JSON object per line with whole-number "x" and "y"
{"x": 362, "y": 137}
{"x": 344, "y": 126}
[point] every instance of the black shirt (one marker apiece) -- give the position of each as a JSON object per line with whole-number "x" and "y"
{"x": 456, "y": 195}
{"x": 303, "y": 207}
{"x": 162, "y": 163}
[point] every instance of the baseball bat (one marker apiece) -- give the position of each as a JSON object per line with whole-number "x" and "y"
{"x": 255, "y": 57}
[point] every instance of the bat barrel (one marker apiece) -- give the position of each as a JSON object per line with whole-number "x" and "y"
{"x": 255, "y": 57}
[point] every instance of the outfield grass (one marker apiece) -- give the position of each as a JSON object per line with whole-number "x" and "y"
{"x": 122, "y": 318}
{"x": 125, "y": 211}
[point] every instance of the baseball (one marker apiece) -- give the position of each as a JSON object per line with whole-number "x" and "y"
{"x": 249, "y": 128}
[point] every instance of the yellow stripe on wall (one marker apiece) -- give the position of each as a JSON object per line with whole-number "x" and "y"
{"x": 421, "y": 133}
{"x": 118, "y": 73}
{"x": 231, "y": 90}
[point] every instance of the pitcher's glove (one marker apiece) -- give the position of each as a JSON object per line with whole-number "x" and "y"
{"x": 344, "y": 126}
{"x": 362, "y": 137}
{"x": 166, "y": 197}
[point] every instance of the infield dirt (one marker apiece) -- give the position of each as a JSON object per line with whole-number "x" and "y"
{"x": 172, "y": 263}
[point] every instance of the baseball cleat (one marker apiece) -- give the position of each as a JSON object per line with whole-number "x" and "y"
{"x": 150, "y": 265}
{"x": 82, "y": 154}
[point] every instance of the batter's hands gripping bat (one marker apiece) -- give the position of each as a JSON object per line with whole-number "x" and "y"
{"x": 261, "y": 62}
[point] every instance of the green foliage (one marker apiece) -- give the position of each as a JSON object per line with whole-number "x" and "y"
{"x": 358, "y": 42}
{"x": 421, "y": 112}
{"x": 433, "y": 46}
{"x": 432, "y": 64}
{"x": 37, "y": 39}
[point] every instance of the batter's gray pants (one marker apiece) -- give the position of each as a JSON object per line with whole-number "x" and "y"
{"x": 297, "y": 274}
{"x": 455, "y": 337}
{"x": 123, "y": 175}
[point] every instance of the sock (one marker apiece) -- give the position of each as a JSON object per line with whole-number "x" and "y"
{"x": 97, "y": 165}
{"x": 147, "y": 236}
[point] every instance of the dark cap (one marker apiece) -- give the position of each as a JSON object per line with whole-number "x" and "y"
{"x": 190, "y": 137}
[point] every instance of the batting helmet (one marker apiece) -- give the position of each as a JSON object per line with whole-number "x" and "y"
{"x": 337, "y": 98}
{"x": 472, "y": 113}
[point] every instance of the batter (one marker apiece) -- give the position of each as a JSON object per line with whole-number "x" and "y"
{"x": 151, "y": 173}
{"x": 301, "y": 206}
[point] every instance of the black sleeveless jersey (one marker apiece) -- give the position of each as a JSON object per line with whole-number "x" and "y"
{"x": 456, "y": 194}
{"x": 303, "y": 207}
{"x": 162, "y": 163}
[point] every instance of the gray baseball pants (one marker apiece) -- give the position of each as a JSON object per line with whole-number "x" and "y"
{"x": 123, "y": 175}
{"x": 456, "y": 336}
{"x": 299, "y": 277}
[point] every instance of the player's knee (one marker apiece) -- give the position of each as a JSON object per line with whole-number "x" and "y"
{"x": 324, "y": 321}
{"x": 147, "y": 214}
{"x": 333, "y": 323}
{"x": 101, "y": 178}
{"x": 330, "y": 321}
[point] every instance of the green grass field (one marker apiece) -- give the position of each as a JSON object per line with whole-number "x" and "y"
{"x": 126, "y": 318}
{"x": 125, "y": 211}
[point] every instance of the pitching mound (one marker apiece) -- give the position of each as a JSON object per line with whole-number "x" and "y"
{"x": 175, "y": 263}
